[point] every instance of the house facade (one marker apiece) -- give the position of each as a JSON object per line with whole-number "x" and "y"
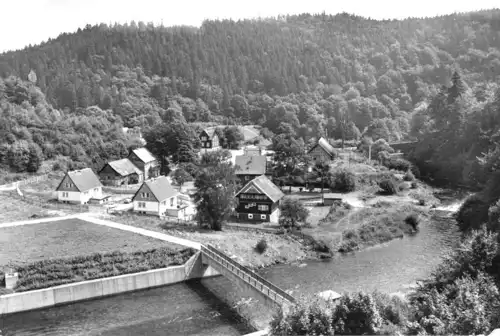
{"x": 249, "y": 167}
{"x": 322, "y": 151}
{"x": 146, "y": 162}
{"x": 209, "y": 139}
{"x": 259, "y": 201}
{"x": 79, "y": 187}
{"x": 157, "y": 197}
{"x": 120, "y": 172}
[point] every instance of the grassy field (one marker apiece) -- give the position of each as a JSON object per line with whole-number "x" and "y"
{"x": 233, "y": 242}
{"x": 346, "y": 228}
{"x": 13, "y": 209}
{"x": 67, "y": 238}
{"x": 54, "y": 272}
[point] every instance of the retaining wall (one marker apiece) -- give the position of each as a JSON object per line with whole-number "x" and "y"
{"x": 18, "y": 302}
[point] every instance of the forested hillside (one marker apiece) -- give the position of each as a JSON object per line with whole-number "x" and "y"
{"x": 306, "y": 75}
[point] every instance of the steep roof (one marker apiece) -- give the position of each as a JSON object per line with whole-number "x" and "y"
{"x": 84, "y": 179}
{"x": 323, "y": 143}
{"x": 161, "y": 188}
{"x": 264, "y": 186}
{"x": 144, "y": 155}
{"x": 124, "y": 167}
{"x": 250, "y": 164}
{"x": 210, "y": 131}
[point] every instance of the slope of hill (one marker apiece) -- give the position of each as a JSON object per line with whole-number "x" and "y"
{"x": 304, "y": 74}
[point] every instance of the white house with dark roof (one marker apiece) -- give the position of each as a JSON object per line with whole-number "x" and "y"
{"x": 259, "y": 201}
{"x": 322, "y": 151}
{"x": 79, "y": 187}
{"x": 157, "y": 197}
{"x": 145, "y": 161}
{"x": 120, "y": 172}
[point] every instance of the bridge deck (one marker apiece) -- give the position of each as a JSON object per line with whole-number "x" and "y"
{"x": 260, "y": 284}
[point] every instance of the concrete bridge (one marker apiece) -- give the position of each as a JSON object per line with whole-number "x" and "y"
{"x": 244, "y": 278}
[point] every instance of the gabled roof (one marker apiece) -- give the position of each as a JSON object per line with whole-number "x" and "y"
{"x": 124, "y": 167}
{"x": 210, "y": 131}
{"x": 161, "y": 188}
{"x": 84, "y": 179}
{"x": 250, "y": 164}
{"x": 263, "y": 185}
{"x": 144, "y": 155}
{"x": 323, "y": 143}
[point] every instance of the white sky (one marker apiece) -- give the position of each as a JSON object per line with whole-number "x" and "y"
{"x": 32, "y": 21}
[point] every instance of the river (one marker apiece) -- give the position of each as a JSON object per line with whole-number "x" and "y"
{"x": 192, "y": 309}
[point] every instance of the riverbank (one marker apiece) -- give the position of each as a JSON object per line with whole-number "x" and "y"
{"x": 236, "y": 243}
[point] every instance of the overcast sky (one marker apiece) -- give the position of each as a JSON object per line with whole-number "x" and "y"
{"x": 32, "y": 21}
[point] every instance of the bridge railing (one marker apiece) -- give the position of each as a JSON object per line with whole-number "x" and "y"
{"x": 275, "y": 293}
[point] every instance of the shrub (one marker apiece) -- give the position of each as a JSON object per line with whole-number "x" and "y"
{"x": 409, "y": 176}
{"x": 404, "y": 186}
{"x": 388, "y": 187}
{"x": 414, "y": 185}
{"x": 413, "y": 220}
{"x": 320, "y": 246}
{"x": 398, "y": 164}
{"x": 343, "y": 181}
{"x": 261, "y": 246}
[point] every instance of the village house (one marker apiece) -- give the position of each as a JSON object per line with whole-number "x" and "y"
{"x": 146, "y": 162}
{"x": 259, "y": 201}
{"x": 210, "y": 139}
{"x": 157, "y": 197}
{"x": 322, "y": 151}
{"x": 120, "y": 172}
{"x": 249, "y": 167}
{"x": 79, "y": 187}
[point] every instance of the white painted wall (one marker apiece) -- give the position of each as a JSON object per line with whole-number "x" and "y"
{"x": 150, "y": 206}
{"x": 92, "y": 193}
{"x": 158, "y": 208}
{"x": 73, "y": 196}
{"x": 275, "y": 216}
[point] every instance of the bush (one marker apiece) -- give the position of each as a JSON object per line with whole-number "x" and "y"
{"x": 388, "y": 187}
{"x": 409, "y": 176}
{"x": 398, "y": 164}
{"x": 413, "y": 220}
{"x": 414, "y": 185}
{"x": 343, "y": 181}
{"x": 261, "y": 246}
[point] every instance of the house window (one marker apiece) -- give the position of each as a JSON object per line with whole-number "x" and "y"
{"x": 172, "y": 202}
{"x": 65, "y": 194}
{"x": 145, "y": 194}
{"x": 247, "y": 178}
{"x": 68, "y": 185}
{"x": 96, "y": 189}
{"x": 262, "y": 216}
{"x": 141, "y": 204}
{"x": 250, "y": 216}
{"x": 203, "y": 138}
{"x": 164, "y": 202}
{"x": 263, "y": 207}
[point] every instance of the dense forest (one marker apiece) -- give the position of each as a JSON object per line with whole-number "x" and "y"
{"x": 431, "y": 79}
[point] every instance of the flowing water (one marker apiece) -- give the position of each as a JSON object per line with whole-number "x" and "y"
{"x": 191, "y": 309}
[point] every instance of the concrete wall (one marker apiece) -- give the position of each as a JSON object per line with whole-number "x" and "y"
{"x": 18, "y": 302}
